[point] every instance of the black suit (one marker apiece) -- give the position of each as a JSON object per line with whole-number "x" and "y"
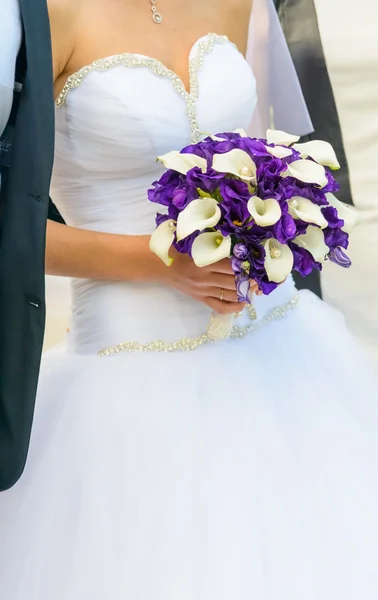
{"x": 299, "y": 22}
{"x": 24, "y": 208}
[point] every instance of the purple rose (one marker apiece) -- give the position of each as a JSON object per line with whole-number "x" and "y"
{"x": 271, "y": 168}
{"x": 240, "y": 251}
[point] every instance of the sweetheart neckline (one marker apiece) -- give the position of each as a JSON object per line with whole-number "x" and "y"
{"x": 100, "y": 64}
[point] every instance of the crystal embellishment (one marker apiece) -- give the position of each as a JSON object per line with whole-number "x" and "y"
{"x": 136, "y": 61}
{"x": 192, "y": 343}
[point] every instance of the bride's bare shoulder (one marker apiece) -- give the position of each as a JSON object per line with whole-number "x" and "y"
{"x": 238, "y": 15}
{"x": 63, "y": 16}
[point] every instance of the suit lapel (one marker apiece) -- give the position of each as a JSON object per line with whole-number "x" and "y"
{"x": 39, "y": 76}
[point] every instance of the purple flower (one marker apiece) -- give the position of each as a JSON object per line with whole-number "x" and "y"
{"x": 332, "y": 216}
{"x": 285, "y": 229}
{"x": 271, "y": 168}
{"x": 235, "y": 196}
{"x": 339, "y": 257}
{"x": 335, "y": 237}
{"x": 236, "y": 265}
{"x": 240, "y": 252}
{"x": 162, "y": 191}
{"x": 270, "y": 188}
{"x": 180, "y": 198}
{"x": 266, "y": 286}
{"x": 159, "y": 219}
{"x": 255, "y": 148}
{"x": 242, "y": 287}
{"x": 207, "y": 182}
{"x": 200, "y": 149}
{"x": 291, "y": 187}
{"x": 332, "y": 185}
{"x": 185, "y": 245}
{"x": 304, "y": 262}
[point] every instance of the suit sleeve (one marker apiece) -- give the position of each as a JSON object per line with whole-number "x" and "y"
{"x": 10, "y": 40}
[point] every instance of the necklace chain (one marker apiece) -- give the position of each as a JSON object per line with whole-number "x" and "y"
{"x": 156, "y": 16}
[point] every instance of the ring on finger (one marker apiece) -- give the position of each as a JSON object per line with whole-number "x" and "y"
{"x": 221, "y": 295}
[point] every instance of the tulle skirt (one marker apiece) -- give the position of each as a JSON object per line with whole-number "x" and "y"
{"x": 242, "y": 470}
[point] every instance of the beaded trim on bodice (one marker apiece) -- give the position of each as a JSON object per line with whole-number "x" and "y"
{"x": 136, "y": 61}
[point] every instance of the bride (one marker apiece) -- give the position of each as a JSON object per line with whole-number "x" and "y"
{"x": 243, "y": 469}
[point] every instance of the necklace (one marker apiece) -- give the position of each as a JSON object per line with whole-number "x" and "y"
{"x": 156, "y": 16}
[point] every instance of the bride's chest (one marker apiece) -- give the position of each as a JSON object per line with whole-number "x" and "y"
{"x": 131, "y": 105}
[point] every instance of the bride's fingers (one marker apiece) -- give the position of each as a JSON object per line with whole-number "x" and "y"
{"x": 223, "y": 266}
{"x": 222, "y": 294}
{"x": 223, "y": 308}
{"x": 254, "y": 287}
{"x": 226, "y": 282}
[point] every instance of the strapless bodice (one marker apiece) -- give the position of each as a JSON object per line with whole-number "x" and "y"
{"x": 113, "y": 119}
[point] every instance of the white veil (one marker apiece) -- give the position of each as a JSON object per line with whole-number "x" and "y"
{"x": 281, "y": 104}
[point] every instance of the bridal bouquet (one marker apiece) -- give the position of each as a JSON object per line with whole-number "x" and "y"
{"x": 267, "y": 204}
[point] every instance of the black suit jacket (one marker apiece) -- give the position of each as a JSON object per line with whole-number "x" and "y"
{"x": 24, "y": 209}
{"x": 299, "y": 22}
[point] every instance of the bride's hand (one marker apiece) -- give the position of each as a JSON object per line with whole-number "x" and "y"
{"x": 214, "y": 285}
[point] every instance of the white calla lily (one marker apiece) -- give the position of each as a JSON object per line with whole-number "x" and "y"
{"x": 209, "y": 248}
{"x": 275, "y": 136}
{"x": 182, "y": 163}
{"x": 320, "y": 151}
{"x": 279, "y": 260}
{"x": 264, "y": 212}
{"x": 161, "y": 240}
{"x": 236, "y": 162}
{"x": 307, "y": 211}
{"x": 307, "y": 171}
{"x": 279, "y": 151}
{"x": 200, "y": 214}
{"x": 313, "y": 241}
{"x": 216, "y": 138}
{"x": 348, "y": 214}
{"x": 241, "y": 132}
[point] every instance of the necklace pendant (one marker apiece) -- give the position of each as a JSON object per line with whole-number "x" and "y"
{"x": 156, "y": 16}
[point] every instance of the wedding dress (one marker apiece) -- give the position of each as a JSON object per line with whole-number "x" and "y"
{"x": 244, "y": 469}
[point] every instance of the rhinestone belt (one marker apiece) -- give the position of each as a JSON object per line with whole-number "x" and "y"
{"x": 191, "y": 343}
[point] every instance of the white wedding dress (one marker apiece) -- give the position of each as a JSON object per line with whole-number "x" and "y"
{"x": 240, "y": 470}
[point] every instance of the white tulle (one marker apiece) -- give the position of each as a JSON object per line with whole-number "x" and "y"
{"x": 244, "y": 469}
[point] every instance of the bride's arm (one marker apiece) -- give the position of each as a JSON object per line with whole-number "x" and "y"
{"x": 72, "y": 252}
{"x": 86, "y": 254}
